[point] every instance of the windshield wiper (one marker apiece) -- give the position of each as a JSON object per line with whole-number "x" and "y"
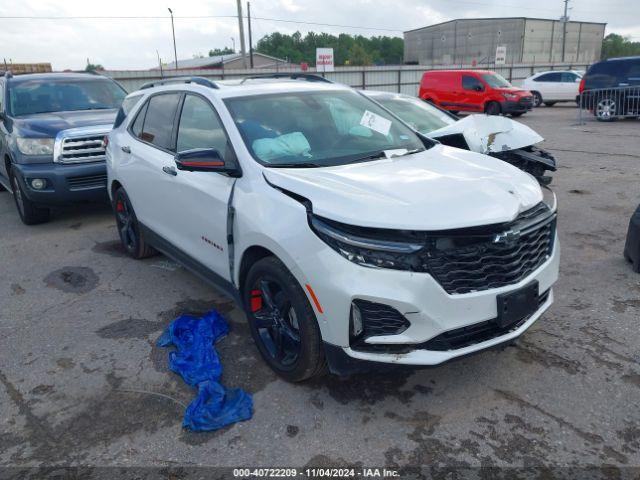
{"x": 383, "y": 154}
{"x": 295, "y": 165}
{"x": 371, "y": 156}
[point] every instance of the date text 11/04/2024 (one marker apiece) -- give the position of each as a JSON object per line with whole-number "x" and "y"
{"x": 315, "y": 473}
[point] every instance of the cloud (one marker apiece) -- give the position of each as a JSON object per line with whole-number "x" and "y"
{"x": 132, "y": 43}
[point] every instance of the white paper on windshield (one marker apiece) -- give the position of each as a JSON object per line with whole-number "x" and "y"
{"x": 375, "y": 122}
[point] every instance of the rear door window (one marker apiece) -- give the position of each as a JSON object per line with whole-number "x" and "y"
{"x": 549, "y": 77}
{"x": 159, "y": 120}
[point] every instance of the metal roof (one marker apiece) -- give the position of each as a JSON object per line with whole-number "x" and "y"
{"x": 498, "y": 18}
{"x": 214, "y": 61}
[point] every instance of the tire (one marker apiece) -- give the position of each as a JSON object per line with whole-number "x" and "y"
{"x": 128, "y": 227}
{"x": 493, "y": 108}
{"x": 537, "y": 99}
{"x": 290, "y": 343}
{"x": 606, "y": 109}
{"x": 549, "y": 104}
{"x": 29, "y": 212}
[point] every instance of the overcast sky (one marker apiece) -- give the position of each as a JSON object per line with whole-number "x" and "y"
{"x": 126, "y": 43}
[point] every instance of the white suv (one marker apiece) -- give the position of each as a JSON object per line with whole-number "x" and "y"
{"x": 553, "y": 86}
{"x": 346, "y": 236}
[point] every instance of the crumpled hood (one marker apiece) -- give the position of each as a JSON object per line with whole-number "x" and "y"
{"x": 49, "y": 124}
{"x": 438, "y": 189}
{"x": 488, "y": 133}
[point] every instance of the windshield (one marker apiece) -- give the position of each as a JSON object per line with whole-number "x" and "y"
{"x": 420, "y": 115}
{"x": 496, "y": 81}
{"x": 312, "y": 129}
{"x": 44, "y": 96}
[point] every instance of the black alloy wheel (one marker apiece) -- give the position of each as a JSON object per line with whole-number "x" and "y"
{"x": 276, "y": 321}
{"x": 282, "y": 322}
{"x": 128, "y": 227}
{"x": 537, "y": 99}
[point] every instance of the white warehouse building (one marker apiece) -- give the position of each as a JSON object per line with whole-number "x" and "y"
{"x": 527, "y": 40}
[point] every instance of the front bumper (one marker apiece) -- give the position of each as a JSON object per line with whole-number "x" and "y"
{"x": 65, "y": 184}
{"x": 521, "y": 106}
{"x": 430, "y": 310}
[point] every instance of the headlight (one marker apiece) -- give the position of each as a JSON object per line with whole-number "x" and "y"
{"x": 549, "y": 198}
{"x": 365, "y": 250}
{"x": 510, "y": 96}
{"x": 35, "y": 146}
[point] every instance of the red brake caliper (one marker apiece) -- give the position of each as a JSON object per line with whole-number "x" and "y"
{"x": 256, "y": 300}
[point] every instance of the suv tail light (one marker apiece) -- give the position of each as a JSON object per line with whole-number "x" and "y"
{"x": 581, "y": 88}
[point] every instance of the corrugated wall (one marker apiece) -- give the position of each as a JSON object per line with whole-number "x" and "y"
{"x": 527, "y": 40}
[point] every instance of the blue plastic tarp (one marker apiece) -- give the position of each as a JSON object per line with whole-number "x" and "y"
{"x": 196, "y": 361}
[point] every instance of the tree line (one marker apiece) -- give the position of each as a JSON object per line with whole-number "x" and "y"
{"x": 615, "y": 45}
{"x": 347, "y": 49}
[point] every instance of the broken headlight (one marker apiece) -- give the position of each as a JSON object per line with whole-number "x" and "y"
{"x": 549, "y": 198}
{"x": 367, "y": 246}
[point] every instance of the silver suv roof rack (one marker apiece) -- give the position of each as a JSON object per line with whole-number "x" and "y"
{"x": 205, "y": 82}
{"x": 308, "y": 77}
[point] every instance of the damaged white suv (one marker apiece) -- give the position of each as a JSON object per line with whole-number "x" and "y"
{"x": 347, "y": 237}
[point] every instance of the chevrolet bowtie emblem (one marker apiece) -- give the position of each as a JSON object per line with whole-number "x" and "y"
{"x": 510, "y": 236}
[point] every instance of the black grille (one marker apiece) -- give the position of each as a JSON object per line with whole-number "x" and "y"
{"x": 526, "y": 101}
{"x": 379, "y": 319}
{"x": 87, "y": 181}
{"x": 463, "y": 264}
{"x": 454, "y": 339}
{"x": 472, "y": 334}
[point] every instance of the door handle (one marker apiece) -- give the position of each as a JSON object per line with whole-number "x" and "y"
{"x": 125, "y": 149}
{"x": 170, "y": 171}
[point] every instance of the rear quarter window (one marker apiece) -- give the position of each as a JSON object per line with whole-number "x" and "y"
{"x": 607, "y": 74}
{"x": 125, "y": 108}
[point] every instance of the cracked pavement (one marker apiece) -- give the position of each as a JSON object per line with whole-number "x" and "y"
{"x": 82, "y": 382}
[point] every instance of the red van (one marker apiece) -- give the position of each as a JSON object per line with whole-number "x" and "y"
{"x": 474, "y": 91}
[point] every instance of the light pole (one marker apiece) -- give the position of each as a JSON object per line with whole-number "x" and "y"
{"x": 173, "y": 30}
{"x": 233, "y": 42}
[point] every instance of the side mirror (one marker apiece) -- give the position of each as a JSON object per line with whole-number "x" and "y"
{"x": 205, "y": 160}
{"x": 478, "y": 88}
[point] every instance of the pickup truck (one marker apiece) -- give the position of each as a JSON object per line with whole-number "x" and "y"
{"x": 52, "y": 129}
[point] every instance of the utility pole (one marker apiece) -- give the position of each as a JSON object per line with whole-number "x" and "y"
{"x": 565, "y": 19}
{"x": 173, "y": 30}
{"x": 243, "y": 51}
{"x": 160, "y": 63}
{"x": 250, "y": 42}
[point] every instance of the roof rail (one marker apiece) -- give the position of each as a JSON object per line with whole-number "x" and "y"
{"x": 309, "y": 77}
{"x": 205, "y": 82}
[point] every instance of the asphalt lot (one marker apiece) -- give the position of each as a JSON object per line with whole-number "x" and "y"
{"x": 80, "y": 373}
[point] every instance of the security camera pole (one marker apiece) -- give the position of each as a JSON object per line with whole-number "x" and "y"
{"x": 173, "y": 30}
{"x": 241, "y": 25}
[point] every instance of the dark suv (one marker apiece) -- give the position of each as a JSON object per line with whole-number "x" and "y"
{"x": 52, "y": 128}
{"x": 611, "y": 88}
